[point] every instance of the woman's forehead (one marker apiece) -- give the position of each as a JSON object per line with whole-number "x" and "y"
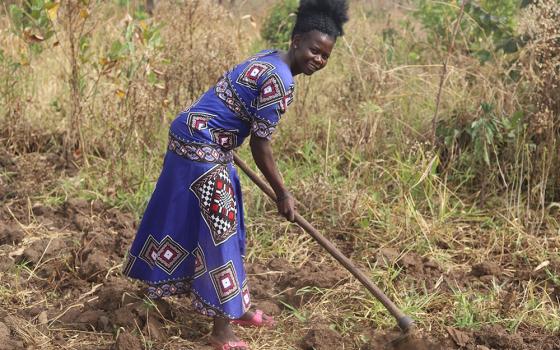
{"x": 320, "y": 39}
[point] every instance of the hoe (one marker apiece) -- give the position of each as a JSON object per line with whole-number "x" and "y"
{"x": 405, "y": 323}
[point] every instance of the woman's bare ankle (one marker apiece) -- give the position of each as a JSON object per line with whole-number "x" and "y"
{"x": 222, "y": 330}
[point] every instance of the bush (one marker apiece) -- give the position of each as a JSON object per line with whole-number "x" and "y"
{"x": 277, "y": 28}
{"x": 488, "y": 26}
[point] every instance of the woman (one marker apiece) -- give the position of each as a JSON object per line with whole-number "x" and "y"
{"x": 192, "y": 236}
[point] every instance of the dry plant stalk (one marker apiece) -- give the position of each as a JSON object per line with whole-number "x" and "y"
{"x": 540, "y": 65}
{"x": 444, "y": 69}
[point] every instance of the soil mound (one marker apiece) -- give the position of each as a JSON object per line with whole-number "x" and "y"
{"x": 398, "y": 341}
{"x": 321, "y": 338}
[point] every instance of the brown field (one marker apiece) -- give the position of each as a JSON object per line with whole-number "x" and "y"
{"x": 471, "y": 253}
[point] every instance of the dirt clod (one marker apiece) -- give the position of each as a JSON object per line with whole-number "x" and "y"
{"x": 398, "y": 341}
{"x": 127, "y": 341}
{"x": 460, "y": 338}
{"x": 43, "y": 249}
{"x": 95, "y": 266}
{"x": 496, "y": 337}
{"x": 322, "y": 338}
{"x": 155, "y": 330}
{"x": 387, "y": 256}
{"x": 115, "y": 293}
{"x": 487, "y": 268}
{"x": 269, "y": 307}
{"x": 10, "y": 234}
{"x": 4, "y": 331}
{"x": 313, "y": 276}
{"x": 89, "y": 320}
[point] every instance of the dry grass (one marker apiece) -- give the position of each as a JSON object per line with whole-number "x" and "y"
{"x": 352, "y": 148}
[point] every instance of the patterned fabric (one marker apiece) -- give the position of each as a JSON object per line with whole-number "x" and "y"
{"x": 258, "y": 90}
{"x": 199, "y": 262}
{"x": 245, "y": 297}
{"x": 225, "y": 138}
{"x": 198, "y": 121}
{"x": 272, "y": 91}
{"x": 166, "y": 255}
{"x": 191, "y": 239}
{"x": 252, "y": 73}
{"x": 217, "y": 204}
{"x": 168, "y": 289}
{"x": 262, "y": 129}
{"x": 128, "y": 263}
{"x": 225, "y": 282}
{"x": 225, "y": 92}
{"x": 199, "y": 152}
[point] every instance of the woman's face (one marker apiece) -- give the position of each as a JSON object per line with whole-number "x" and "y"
{"x": 311, "y": 51}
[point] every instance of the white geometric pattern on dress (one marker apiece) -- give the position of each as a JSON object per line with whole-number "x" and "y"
{"x": 262, "y": 129}
{"x": 287, "y": 100}
{"x": 199, "y": 262}
{"x": 216, "y": 198}
{"x": 198, "y": 121}
{"x": 225, "y": 92}
{"x": 167, "y": 255}
{"x": 149, "y": 251}
{"x": 252, "y": 73}
{"x": 246, "y": 297}
{"x": 227, "y": 139}
{"x": 272, "y": 91}
{"x": 224, "y": 279}
{"x": 170, "y": 255}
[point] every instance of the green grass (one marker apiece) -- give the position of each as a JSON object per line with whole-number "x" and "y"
{"x": 352, "y": 148}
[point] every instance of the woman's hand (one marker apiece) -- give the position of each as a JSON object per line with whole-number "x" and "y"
{"x": 286, "y": 206}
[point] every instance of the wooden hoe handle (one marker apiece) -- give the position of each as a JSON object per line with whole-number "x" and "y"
{"x": 405, "y": 322}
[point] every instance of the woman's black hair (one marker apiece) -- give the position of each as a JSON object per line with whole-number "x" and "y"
{"x": 326, "y": 16}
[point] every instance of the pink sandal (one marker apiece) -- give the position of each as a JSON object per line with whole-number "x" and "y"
{"x": 229, "y": 345}
{"x": 259, "y": 320}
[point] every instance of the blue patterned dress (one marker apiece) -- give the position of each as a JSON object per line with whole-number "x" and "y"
{"x": 192, "y": 235}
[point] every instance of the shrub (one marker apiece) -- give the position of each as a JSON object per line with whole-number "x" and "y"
{"x": 489, "y": 25}
{"x": 277, "y": 28}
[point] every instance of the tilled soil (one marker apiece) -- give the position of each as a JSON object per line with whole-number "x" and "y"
{"x": 60, "y": 268}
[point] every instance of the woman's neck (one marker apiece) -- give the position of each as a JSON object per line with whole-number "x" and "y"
{"x": 288, "y": 58}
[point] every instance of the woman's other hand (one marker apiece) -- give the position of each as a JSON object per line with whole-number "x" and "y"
{"x": 286, "y": 206}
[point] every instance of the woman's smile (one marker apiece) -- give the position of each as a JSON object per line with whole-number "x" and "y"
{"x": 312, "y": 67}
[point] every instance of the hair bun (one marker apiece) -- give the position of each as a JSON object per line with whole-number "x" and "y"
{"x": 327, "y": 16}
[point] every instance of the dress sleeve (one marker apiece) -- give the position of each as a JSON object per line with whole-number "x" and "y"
{"x": 275, "y": 93}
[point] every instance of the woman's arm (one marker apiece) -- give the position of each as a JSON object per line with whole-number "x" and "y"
{"x": 262, "y": 154}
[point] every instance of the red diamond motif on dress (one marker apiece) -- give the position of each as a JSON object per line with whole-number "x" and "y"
{"x": 198, "y": 121}
{"x": 167, "y": 255}
{"x": 287, "y": 100}
{"x": 225, "y": 282}
{"x": 246, "y": 297}
{"x": 170, "y": 255}
{"x": 251, "y": 74}
{"x": 227, "y": 139}
{"x": 199, "y": 262}
{"x": 216, "y": 197}
{"x": 272, "y": 91}
{"x": 149, "y": 251}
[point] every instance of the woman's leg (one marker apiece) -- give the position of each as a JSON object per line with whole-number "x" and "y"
{"x": 222, "y": 333}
